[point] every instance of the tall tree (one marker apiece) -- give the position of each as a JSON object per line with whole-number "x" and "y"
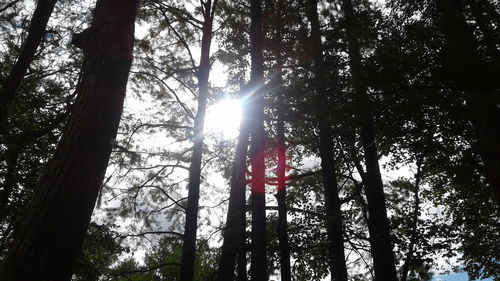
{"x": 235, "y": 221}
{"x": 479, "y": 82}
{"x": 378, "y": 224}
{"x": 36, "y": 31}
{"x": 191, "y": 226}
{"x": 258, "y": 263}
{"x": 282, "y": 227}
{"x": 333, "y": 212}
{"x": 50, "y": 238}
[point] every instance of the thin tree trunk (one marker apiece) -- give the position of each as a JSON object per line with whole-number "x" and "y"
{"x": 235, "y": 221}
{"x": 378, "y": 224}
{"x": 50, "y": 237}
{"x": 333, "y": 212}
{"x": 469, "y": 71}
{"x": 36, "y": 31}
{"x": 282, "y": 228}
{"x": 414, "y": 228}
{"x": 258, "y": 263}
{"x": 191, "y": 226}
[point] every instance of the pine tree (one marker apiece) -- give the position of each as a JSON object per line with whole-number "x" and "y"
{"x": 50, "y": 238}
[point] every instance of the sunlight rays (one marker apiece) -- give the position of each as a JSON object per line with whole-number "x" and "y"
{"x": 224, "y": 118}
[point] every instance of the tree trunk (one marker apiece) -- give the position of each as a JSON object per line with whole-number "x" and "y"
{"x": 282, "y": 229}
{"x": 258, "y": 263}
{"x": 235, "y": 221}
{"x": 414, "y": 227}
{"x": 378, "y": 223}
{"x": 36, "y": 31}
{"x": 480, "y": 84}
{"x": 333, "y": 212}
{"x": 242, "y": 260}
{"x": 191, "y": 226}
{"x": 50, "y": 237}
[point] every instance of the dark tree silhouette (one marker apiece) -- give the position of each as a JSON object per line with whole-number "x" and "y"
{"x": 36, "y": 31}
{"x": 258, "y": 263}
{"x": 332, "y": 201}
{"x": 191, "y": 226}
{"x": 479, "y": 82}
{"x": 378, "y": 224}
{"x": 235, "y": 220}
{"x": 48, "y": 243}
{"x": 282, "y": 227}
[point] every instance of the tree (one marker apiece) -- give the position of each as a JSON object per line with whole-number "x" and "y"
{"x": 328, "y": 166}
{"x": 43, "y": 249}
{"x": 478, "y": 80}
{"x": 378, "y": 224}
{"x": 188, "y": 250}
{"x": 282, "y": 226}
{"x": 258, "y": 264}
{"x": 36, "y": 32}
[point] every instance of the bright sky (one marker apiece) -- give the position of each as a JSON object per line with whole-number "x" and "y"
{"x": 456, "y": 277}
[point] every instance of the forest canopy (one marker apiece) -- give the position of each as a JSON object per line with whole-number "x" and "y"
{"x": 249, "y": 140}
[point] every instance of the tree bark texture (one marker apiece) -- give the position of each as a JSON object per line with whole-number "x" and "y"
{"x": 191, "y": 226}
{"x": 481, "y": 84}
{"x": 36, "y": 31}
{"x": 51, "y": 235}
{"x": 258, "y": 262}
{"x": 378, "y": 223}
{"x": 333, "y": 212}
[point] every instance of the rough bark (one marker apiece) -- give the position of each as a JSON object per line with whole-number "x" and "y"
{"x": 235, "y": 221}
{"x": 191, "y": 226}
{"x": 378, "y": 223}
{"x": 258, "y": 262}
{"x": 480, "y": 81}
{"x": 51, "y": 235}
{"x": 36, "y": 31}
{"x": 326, "y": 149}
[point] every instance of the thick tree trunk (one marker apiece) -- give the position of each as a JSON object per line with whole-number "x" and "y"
{"x": 480, "y": 84}
{"x": 235, "y": 221}
{"x": 36, "y": 31}
{"x": 378, "y": 223}
{"x": 50, "y": 237}
{"x": 191, "y": 226}
{"x": 332, "y": 201}
{"x": 258, "y": 263}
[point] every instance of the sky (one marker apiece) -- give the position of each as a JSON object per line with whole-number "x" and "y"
{"x": 456, "y": 277}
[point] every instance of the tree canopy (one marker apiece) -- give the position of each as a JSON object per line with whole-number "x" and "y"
{"x": 249, "y": 140}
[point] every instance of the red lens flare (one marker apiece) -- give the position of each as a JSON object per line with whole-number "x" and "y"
{"x": 275, "y": 163}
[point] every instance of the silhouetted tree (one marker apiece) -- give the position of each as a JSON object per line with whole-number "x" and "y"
{"x": 48, "y": 243}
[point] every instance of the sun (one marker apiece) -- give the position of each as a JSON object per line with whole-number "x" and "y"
{"x": 224, "y": 118}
